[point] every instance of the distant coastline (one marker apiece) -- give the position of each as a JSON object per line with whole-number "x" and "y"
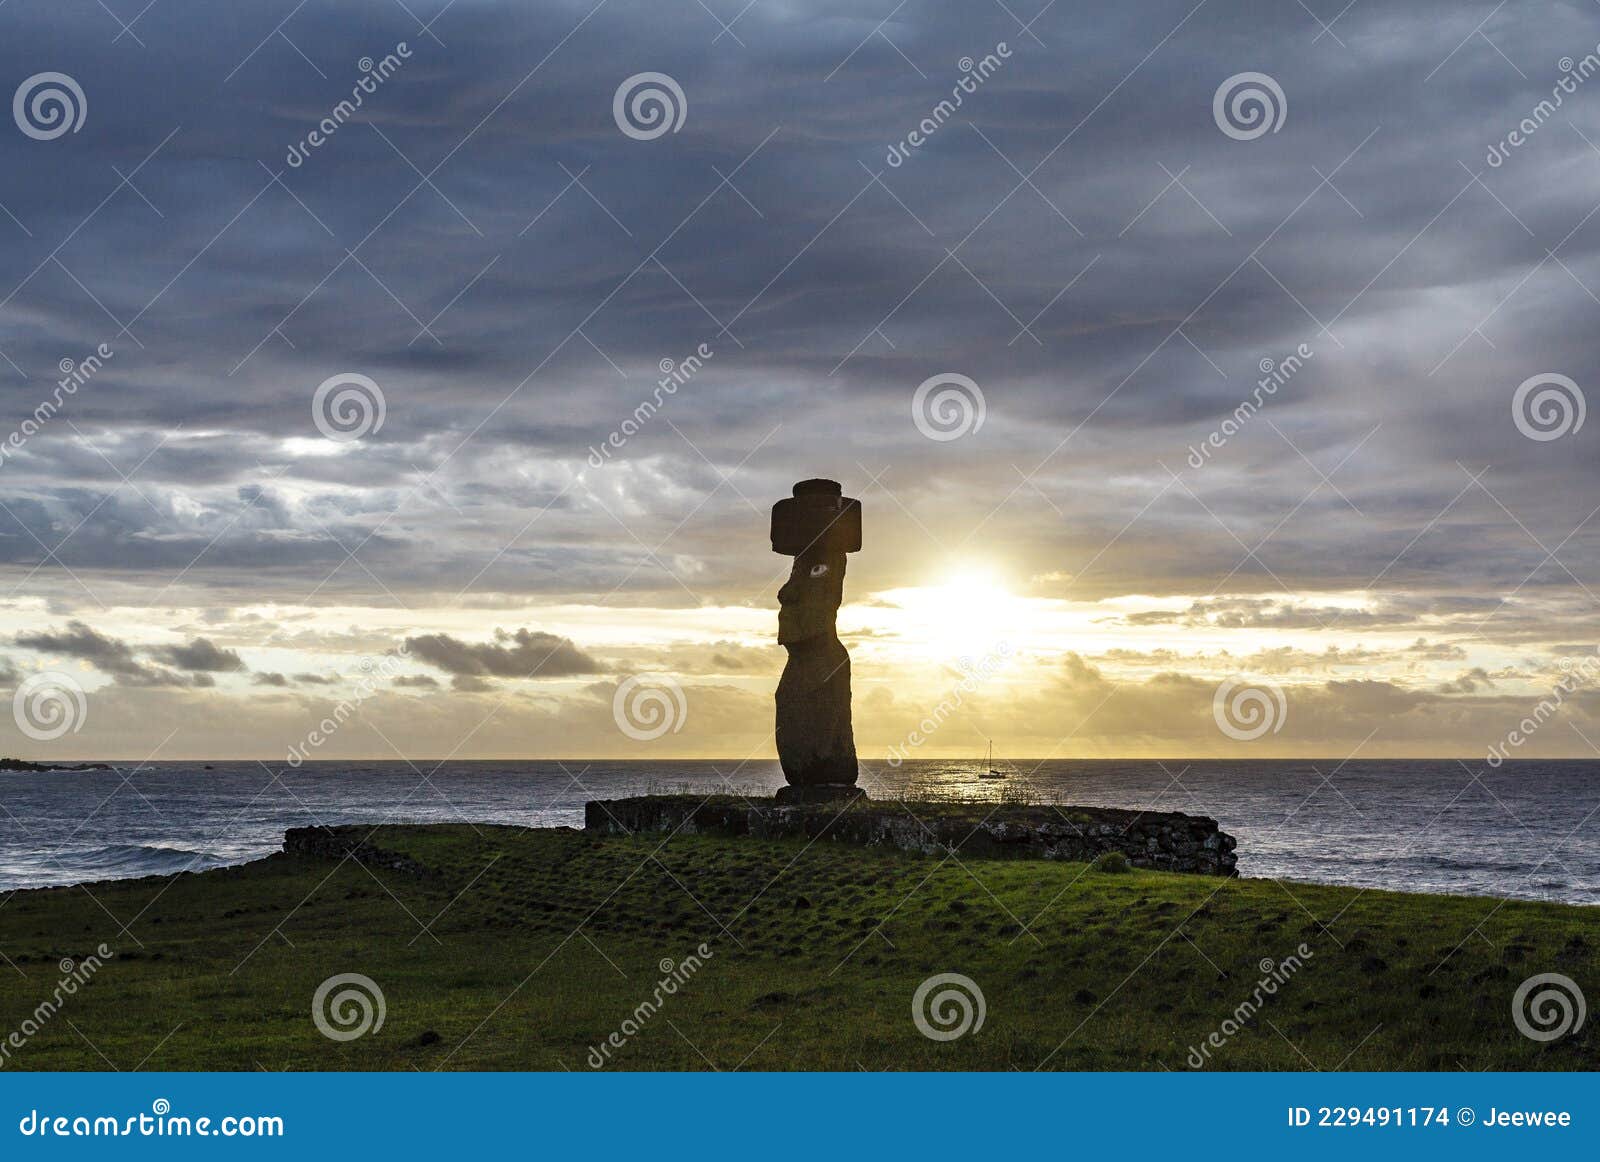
{"x": 11, "y": 764}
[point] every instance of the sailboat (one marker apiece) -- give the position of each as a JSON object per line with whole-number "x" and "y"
{"x": 990, "y": 771}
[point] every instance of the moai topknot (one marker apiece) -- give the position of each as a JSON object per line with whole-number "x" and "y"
{"x": 817, "y": 526}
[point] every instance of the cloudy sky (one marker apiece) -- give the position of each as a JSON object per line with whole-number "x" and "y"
{"x": 1243, "y": 405}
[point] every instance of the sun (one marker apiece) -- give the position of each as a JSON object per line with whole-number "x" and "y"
{"x": 966, "y": 616}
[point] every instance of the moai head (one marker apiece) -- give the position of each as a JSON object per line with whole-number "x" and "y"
{"x": 817, "y": 526}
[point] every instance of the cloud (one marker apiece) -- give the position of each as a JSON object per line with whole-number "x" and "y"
{"x": 1468, "y": 682}
{"x": 520, "y": 654}
{"x": 200, "y": 654}
{"x": 77, "y": 640}
{"x": 191, "y": 664}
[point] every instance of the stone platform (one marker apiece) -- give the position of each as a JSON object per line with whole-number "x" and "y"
{"x": 1165, "y": 841}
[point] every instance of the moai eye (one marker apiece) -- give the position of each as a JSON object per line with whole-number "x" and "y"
{"x": 819, "y": 570}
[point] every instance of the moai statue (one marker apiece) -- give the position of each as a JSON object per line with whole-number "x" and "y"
{"x": 817, "y": 526}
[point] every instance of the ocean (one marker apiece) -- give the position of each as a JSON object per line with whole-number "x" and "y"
{"x": 1529, "y": 830}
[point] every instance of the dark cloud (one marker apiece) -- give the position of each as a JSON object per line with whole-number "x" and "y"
{"x": 77, "y": 640}
{"x": 840, "y": 291}
{"x": 190, "y": 664}
{"x": 200, "y": 654}
{"x": 1468, "y": 682}
{"x": 520, "y": 654}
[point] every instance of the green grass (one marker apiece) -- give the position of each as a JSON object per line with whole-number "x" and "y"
{"x": 541, "y": 943}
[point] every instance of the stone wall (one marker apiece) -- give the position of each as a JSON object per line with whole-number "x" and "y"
{"x": 1159, "y": 840}
{"x": 347, "y": 843}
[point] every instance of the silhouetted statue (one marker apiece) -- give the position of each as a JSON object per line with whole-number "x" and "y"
{"x": 817, "y": 527}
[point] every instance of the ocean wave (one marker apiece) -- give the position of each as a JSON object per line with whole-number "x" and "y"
{"x": 1416, "y": 862}
{"x": 120, "y": 860}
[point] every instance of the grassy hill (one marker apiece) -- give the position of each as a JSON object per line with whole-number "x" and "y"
{"x": 518, "y": 949}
